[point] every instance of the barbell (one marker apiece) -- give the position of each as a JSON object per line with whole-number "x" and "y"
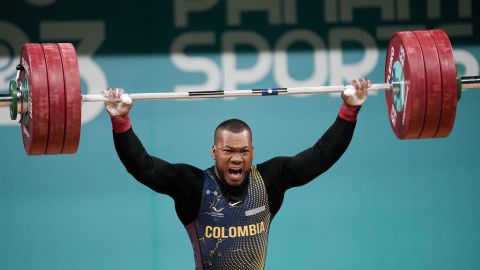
{"x": 421, "y": 84}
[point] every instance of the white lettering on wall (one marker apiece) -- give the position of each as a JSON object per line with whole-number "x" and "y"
{"x": 182, "y": 8}
{"x": 348, "y": 7}
{"x": 468, "y": 61}
{"x": 232, "y": 75}
{"x": 195, "y": 63}
{"x": 434, "y": 9}
{"x": 346, "y": 71}
{"x": 235, "y": 8}
{"x": 320, "y": 59}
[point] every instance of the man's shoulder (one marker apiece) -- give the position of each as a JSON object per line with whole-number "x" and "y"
{"x": 189, "y": 169}
{"x": 273, "y": 163}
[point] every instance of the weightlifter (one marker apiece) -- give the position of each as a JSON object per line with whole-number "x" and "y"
{"x": 227, "y": 209}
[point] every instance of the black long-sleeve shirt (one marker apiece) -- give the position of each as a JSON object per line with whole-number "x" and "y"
{"x": 184, "y": 182}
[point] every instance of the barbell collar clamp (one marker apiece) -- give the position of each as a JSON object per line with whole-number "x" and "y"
{"x": 14, "y": 99}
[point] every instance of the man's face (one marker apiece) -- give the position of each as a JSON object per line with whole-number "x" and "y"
{"x": 233, "y": 154}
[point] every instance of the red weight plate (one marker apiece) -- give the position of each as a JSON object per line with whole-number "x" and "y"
{"x": 433, "y": 84}
{"x": 73, "y": 98}
{"x": 449, "y": 83}
{"x": 56, "y": 93}
{"x": 33, "y": 79}
{"x": 407, "y": 119}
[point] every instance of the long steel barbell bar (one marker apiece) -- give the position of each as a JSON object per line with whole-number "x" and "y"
{"x": 238, "y": 93}
{"x": 468, "y": 82}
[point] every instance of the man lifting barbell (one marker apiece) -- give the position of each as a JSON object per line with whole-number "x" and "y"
{"x": 227, "y": 209}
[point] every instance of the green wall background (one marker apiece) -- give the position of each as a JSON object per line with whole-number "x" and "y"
{"x": 387, "y": 204}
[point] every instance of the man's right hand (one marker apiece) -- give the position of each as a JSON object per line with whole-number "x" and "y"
{"x": 117, "y": 104}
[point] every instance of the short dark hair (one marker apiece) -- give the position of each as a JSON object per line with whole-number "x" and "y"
{"x": 233, "y": 125}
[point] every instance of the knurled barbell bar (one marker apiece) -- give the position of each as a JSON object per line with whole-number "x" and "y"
{"x": 420, "y": 76}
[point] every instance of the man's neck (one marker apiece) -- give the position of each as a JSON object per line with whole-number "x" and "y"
{"x": 234, "y": 193}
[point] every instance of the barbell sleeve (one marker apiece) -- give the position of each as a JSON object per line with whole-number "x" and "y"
{"x": 5, "y": 100}
{"x": 470, "y": 82}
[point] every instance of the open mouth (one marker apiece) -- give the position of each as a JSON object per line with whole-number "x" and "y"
{"x": 235, "y": 172}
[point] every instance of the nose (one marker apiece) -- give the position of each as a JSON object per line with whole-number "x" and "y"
{"x": 236, "y": 158}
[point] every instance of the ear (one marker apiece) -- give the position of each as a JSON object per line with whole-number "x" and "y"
{"x": 253, "y": 152}
{"x": 213, "y": 152}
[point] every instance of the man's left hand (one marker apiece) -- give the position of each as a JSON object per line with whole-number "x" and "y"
{"x": 356, "y": 97}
